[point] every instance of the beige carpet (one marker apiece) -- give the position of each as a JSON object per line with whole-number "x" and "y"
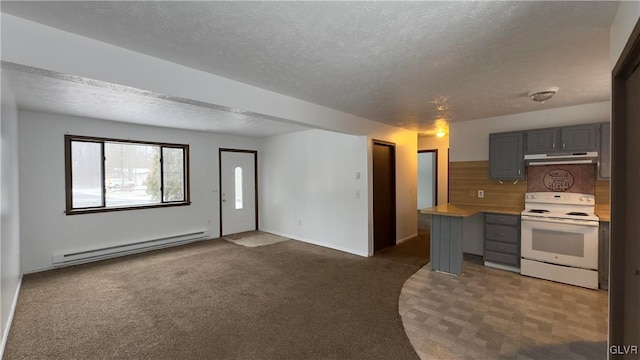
{"x": 216, "y": 300}
{"x": 254, "y": 238}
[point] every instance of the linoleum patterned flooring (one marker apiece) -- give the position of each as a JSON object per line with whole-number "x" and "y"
{"x": 494, "y": 314}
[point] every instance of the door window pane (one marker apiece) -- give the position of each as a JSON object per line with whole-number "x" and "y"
{"x": 173, "y": 174}
{"x": 86, "y": 167}
{"x": 238, "y": 188}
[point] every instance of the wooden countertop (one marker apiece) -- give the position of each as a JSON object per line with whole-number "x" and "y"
{"x": 603, "y": 212}
{"x": 469, "y": 210}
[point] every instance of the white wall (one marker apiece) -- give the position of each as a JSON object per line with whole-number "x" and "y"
{"x": 310, "y": 177}
{"x": 45, "y": 229}
{"x": 406, "y": 181}
{"x": 309, "y": 189}
{"x": 426, "y": 180}
{"x": 32, "y": 44}
{"x": 470, "y": 139}
{"x": 442, "y": 144}
{"x": 626, "y": 18}
{"x": 10, "y": 211}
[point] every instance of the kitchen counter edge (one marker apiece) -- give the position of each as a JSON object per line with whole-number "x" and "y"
{"x": 470, "y": 210}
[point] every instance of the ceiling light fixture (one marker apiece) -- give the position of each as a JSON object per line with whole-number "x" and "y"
{"x": 441, "y": 133}
{"x": 543, "y": 95}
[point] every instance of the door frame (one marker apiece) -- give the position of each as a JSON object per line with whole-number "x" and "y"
{"x": 255, "y": 165}
{"x": 435, "y": 173}
{"x": 393, "y": 193}
{"x": 628, "y": 62}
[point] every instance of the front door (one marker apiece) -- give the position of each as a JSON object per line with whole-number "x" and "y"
{"x": 238, "y": 190}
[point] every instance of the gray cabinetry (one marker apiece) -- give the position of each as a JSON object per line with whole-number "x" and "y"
{"x": 446, "y": 244}
{"x": 579, "y": 138}
{"x": 542, "y": 141}
{"x": 506, "y": 156}
{"x": 603, "y": 255}
{"x": 562, "y": 139}
{"x": 604, "y": 161}
{"x": 502, "y": 241}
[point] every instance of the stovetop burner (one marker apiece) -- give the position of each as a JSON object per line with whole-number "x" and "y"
{"x": 576, "y": 213}
{"x": 555, "y": 207}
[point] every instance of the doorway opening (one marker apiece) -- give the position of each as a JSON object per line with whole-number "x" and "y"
{"x": 384, "y": 194}
{"x": 427, "y": 178}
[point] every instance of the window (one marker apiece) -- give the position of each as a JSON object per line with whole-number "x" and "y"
{"x": 110, "y": 174}
{"x": 239, "y": 204}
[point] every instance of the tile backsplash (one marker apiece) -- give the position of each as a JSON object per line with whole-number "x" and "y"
{"x": 574, "y": 178}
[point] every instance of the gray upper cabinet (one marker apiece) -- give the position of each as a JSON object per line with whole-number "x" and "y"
{"x": 542, "y": 141}
{"x": 506, "y": 156}
{"x": 579, "y": 138}
{"x": 562, "y": 139}
{"x": 604, "y": 162}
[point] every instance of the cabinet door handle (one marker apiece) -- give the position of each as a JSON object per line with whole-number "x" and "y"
{"x": 553, "y": 145}
{"x": 518, "y": 171}
{"x": 563, "y": 145}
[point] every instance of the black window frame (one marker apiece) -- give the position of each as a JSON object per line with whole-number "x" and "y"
{"x": 70, "y": 210}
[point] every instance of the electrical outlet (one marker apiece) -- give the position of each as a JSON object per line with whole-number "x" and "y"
{"x": 481, "y": 194}
{"x": 357, "y": 194}
{"x": 299, "y": 222}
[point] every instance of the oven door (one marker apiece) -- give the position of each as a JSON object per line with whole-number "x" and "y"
{"x": 560, "y": 242}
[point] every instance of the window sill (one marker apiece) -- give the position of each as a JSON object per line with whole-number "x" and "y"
{"x": 125, "y": 208}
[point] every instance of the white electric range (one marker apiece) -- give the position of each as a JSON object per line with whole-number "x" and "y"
{"x": 560, "y": 238}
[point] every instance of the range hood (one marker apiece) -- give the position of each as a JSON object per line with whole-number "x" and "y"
{"x": 561, "y": 158}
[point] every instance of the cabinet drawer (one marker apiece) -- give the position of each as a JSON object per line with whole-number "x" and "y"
{"x": 501, "y": 247}
{"x": 502, "y": 233}
{"x": 506, "y": 259}
{"x": 502, "y": 219}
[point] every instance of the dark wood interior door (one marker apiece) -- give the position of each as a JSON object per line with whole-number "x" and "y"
{"x": 384, "y": 195}
{"x": 624, "y": 275}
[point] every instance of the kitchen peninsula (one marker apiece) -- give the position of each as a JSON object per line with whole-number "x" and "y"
{"x": 453, "y": 225}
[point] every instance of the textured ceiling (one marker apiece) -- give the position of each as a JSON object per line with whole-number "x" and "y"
{"x": 43, "y": 90}
{"x": 393, "y": 62}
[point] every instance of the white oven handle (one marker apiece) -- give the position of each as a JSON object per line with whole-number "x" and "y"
{"x": 563, "y": 222}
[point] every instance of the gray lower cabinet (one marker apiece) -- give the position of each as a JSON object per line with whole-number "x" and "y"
{"x": 502, "y": 241}
{"x": 446, "y": 244}
{"x": 603, "y": 255}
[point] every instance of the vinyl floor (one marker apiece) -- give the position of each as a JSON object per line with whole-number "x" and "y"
{"x": 494, "y": 314}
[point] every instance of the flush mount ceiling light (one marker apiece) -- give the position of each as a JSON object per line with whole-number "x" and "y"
{"x": 543, "y": 95}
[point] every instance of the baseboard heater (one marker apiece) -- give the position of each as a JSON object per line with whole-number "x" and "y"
{"x": 79, "y": 257}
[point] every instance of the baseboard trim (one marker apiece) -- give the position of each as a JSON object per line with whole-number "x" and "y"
{"x": 319, "y": 243}
{"x": 52, "y": 267}
{"x": 406, "y": 238}
{"x": 5, "y": 337}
